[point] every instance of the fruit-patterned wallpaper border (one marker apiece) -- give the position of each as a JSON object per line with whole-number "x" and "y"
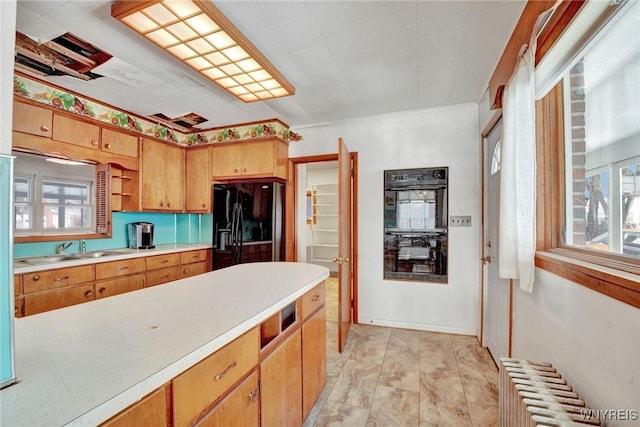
{"x": 69, "y": 101}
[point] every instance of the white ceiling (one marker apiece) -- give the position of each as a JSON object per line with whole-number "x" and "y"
{"x": 345, "y": 58}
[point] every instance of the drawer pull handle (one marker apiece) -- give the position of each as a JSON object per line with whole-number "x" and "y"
{"x": 88, "y": 293}
{"x": 123, "y": 268}
{"x": 94, "y": 142}
{"x": 166, "y": 276}
{"x": 107, "y": 146}
{"x": 44, "y": 128}
{"x": 315, "y": 298}
{"x": 165, "y": 261}
{"x": 35, "y": 277}
{"x": 60, "y": 279}
{"x": 225, "y": 372}
{"x": 101, "y": 290}
{"x": 195, "y": 257}
{"x": 253, "y": 396}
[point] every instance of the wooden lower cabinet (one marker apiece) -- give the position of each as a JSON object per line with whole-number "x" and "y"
{"x": 239, "y": 409}
{"x": 314, "y": 355}
{"x": 108, "y": 288}
{"x": 194, "y": 269}
{"x": 281, "y": 384}
{"x": 152, "y": 410}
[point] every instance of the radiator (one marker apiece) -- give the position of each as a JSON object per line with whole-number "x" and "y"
{"x": 533, "y": 394}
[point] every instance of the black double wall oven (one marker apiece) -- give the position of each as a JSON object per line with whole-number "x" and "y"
{"x": 415, "y": 224}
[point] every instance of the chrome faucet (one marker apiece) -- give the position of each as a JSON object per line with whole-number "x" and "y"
{"x": 63, "y": 247}
{"x": 83, "y": 247}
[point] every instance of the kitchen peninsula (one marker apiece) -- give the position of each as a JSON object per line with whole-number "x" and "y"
{"x": 83, "y": 364}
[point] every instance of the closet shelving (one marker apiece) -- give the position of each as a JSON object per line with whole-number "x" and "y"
{"x": 323, "y": 246}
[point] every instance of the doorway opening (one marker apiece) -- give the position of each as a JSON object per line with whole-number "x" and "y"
{"x": 321, "y": 243}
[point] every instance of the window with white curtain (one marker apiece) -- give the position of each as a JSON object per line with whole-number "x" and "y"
{"x": 602, "y": 139}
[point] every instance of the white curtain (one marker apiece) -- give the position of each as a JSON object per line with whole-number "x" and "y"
{"x": 518, "y": 174}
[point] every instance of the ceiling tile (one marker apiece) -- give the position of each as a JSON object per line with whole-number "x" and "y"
{"x": 398, "y": 42}
{"x": 390, "y": 15}
{"x": 330, "y": 14}
{"x": 297, "y": 36}
{"x": 348, "y": 40}
{"x": 442, "y": 17}
{"x": 446, "y": 47}
{"x": 278, "y": 13}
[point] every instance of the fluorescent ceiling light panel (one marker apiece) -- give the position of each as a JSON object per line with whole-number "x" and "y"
{"x": 197, "y": 33}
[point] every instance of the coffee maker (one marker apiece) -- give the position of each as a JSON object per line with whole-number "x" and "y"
{"x": 141, "y": 235}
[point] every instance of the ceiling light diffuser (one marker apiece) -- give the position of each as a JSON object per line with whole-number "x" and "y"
{"x": 198, "y": 34}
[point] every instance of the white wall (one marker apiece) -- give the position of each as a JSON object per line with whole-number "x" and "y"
{"x": 436, "y": 137}
{"x": 593, "y": 340}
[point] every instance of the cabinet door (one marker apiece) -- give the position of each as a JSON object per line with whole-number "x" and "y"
{"x": 257, "y": 158}
{"x": 198, "y": 180}
{"x": 119, "y": 143}
{"x": 226, "y": 160}
{"x": 50, "y": 300}
{"x": 76, "y": 132}
{"x": 120, "y": 285}
{"x": 150, "y": 411}
{"x": 153, "y": 175}
{"x": 174, "y": 178}
{"x": 31, "y": 119}
{"x": 281, "y": 385}
{"x": 314, "y": 372}
{"x": 238, "y": 409}
{"x": 194, "y": 269}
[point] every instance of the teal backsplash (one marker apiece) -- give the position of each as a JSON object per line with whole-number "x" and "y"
{"x": 169, "y": 229}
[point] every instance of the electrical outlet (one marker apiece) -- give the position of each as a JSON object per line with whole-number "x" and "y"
{"x": 460, "y": 220}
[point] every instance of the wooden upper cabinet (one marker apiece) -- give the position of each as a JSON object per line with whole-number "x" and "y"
{"x": 32, "y": 119}
{"x": 163, "y": 169}
{"x": 76, "y": 132}
{"x": 198, "y": 180}
{"x": 119, "y": 143}
{"x": 174, "y": 178}
{"x": 257, "y": 159}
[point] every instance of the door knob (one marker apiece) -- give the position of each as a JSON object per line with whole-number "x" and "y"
{"x": 486, "y": 260}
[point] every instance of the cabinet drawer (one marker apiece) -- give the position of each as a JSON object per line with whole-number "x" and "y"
{"x": 119, "y": 286}
{"x": 240, "y": 408}
{"x": 197, "y": 388}
{"x": 73, "y": 131}
{"x": 52, "y": 279}
{"x": 163, "y": 275}
{"x": 50, "y": 300}
{"x": 105, "y": 270}
{"x": 194, "y": 269}
{"x": 193, "y": 256}
{"x": 312, "y": 300}
{"x": 162, "y": 261}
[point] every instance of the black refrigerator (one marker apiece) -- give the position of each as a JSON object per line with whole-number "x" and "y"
{"x": 248, "y": 221}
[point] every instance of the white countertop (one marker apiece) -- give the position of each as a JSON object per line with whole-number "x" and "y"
{"x": 82, "y": 364}
{"x": 124, "y": 253}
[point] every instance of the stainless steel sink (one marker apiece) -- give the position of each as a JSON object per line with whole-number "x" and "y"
{"x": 50, "y": 259}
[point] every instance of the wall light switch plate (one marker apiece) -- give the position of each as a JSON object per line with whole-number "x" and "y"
{"x": 460, "y": 221}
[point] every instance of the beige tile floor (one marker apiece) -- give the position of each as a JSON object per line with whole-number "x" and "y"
{"x": 398, "y": 377}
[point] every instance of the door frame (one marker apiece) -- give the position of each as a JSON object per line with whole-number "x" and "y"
{"x": 291, "y": 204}
{"x": 493, "y": 120}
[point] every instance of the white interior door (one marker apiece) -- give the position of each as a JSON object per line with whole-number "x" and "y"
{"x": 497, "y": 291}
